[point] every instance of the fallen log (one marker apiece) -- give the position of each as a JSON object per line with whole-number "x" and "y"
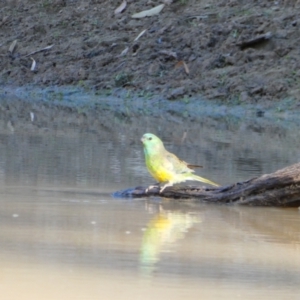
{"x": 281, "y": 188}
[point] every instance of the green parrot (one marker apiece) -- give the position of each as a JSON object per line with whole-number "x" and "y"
{"x": 166, "y": 167}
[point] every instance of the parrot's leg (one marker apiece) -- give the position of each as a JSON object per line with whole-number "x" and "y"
{"x": 170, "y": 183}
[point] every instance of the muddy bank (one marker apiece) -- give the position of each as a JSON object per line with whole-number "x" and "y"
{"x": 234, "y": 51}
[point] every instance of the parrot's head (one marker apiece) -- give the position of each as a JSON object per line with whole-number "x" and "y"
{"x": 151, "y": 142}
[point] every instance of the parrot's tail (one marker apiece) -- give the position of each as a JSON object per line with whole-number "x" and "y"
{"x": 198, "y": 178}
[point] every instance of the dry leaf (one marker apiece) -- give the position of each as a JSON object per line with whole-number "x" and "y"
{"x": 124, "y": 52}
{"x": 10, "y": 126}
{"x": 182, "y": 63}
{"x": 140, "y": 35}
{"x": 169, "y": 53}
{"x": 12, "y": 46}
{"x": 47, "y": 48}
{"x": 121, "y": 8}
{"x": 150, "y": 12}
{"x": 31, "y": 116}
{"x": 186, "y": 68}
{"x": 33, "y": 65}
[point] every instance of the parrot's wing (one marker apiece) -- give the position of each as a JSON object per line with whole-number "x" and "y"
{"x": 174, "y": 164}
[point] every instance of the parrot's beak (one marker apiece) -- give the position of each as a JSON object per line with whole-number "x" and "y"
{"x": 142, "y": 139}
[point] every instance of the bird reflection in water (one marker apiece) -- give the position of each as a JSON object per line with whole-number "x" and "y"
{"x": 164, "y": 231}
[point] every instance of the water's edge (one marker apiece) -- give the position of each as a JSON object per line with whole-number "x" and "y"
{"x": 69, "y": 107}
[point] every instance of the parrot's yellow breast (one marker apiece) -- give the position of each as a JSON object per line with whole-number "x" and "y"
{"x": 158, "y": 172}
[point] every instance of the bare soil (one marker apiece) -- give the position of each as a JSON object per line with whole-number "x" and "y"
{"x": 242, "y": 51}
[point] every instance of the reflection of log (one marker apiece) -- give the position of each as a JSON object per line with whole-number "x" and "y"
{"x": 281, "y": 188}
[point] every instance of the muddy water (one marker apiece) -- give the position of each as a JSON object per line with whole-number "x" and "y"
{"x": 64, "y": 237}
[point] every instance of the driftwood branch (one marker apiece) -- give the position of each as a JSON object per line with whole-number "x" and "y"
{"x": 281, "y": 188}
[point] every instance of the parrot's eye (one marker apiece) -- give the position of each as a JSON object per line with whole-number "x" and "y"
{"x": 150, "y": 138}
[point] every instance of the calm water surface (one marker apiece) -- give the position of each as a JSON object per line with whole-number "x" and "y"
{"x": 64, "y": 237}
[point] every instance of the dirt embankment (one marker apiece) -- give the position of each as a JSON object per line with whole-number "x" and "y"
{"x": 238, "y": 51}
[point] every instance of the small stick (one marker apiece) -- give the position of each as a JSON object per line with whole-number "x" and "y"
{"x": 258, "y": 39}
